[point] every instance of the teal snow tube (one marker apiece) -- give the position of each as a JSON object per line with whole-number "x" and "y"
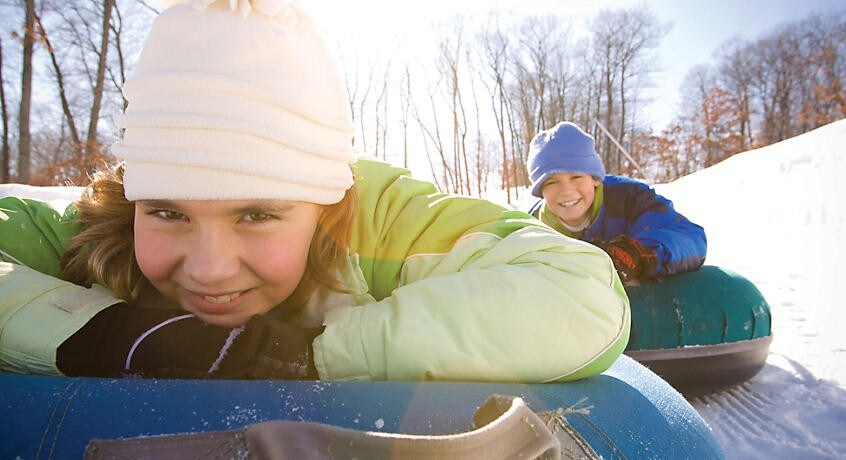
{"x": 701, "y": 331}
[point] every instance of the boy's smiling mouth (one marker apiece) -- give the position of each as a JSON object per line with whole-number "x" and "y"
{"x": 567, "y": 204}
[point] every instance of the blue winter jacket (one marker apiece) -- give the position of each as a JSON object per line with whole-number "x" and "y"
{"x": 632, "y": 208}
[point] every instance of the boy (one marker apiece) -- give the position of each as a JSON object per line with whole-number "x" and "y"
{"x": 638, "y": 228}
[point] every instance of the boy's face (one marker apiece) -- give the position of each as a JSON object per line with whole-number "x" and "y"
{"x": 224, "y": 261}
{"x": 569, "y": 196}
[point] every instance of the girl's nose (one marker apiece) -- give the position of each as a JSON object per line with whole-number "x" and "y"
{"x": 211, "y": 257}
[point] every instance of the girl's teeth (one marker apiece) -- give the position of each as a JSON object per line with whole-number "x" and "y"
{"x": 567, "y": 204}
{"x": 222, "y": 298}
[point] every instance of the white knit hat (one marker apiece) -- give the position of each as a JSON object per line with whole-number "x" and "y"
{"x": 236, "y": 99}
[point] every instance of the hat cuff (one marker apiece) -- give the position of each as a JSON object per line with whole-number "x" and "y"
{"x": 150, "y": 180}
{"x": 536, "y": 187}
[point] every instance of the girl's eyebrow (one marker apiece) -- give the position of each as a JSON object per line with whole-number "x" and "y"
{"x": 166, "y": 204}
{"x": 270, "y": 207}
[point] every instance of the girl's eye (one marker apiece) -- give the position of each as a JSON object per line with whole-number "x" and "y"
{"x": 258, "y": 217}
{"x": 167, "y": 215}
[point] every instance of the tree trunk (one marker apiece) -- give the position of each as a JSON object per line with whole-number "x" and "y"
{"x": 24, "y": 136}
{"x": 74, "y": 132}
{"x": 4, "y": 174}
{"x": 92, "y": 145}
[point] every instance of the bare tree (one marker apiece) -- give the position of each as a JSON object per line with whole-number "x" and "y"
{"x": 405, "y": 105}
{"x": 381, "y": 113}
{"x": 623, "y": 41}
{"x": 495, "y": 61}
{"x": 539, "y": 40}
{"x": 4, "y": 114}
{"x": 699, "y": 83}
{"x": 362, "y": 108}
{"x": 642, "y": 33}
{"x": 24, "y": 135}
{"x": 777, "y": 86}
{"x": 736, "y": 74}
{"x": 84, "y": 33}
{"x": 786, "y": 82}
{"x": 76, "y": 143}
{"x": 478, "y": 169}
{"x": 822, "y": 98}
{"x": 92, "y": 144}
{"x": 359, "y": 98}
{"x": 80, "y": 84}
{"x": 118, "y": 76}
{"x": 449, "y": 64}
{"x": 432, "y": 135}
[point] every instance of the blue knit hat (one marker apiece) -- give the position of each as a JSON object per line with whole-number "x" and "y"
{"x": 562, "y": 149}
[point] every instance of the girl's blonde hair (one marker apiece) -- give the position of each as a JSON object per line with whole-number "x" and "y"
{"x": 103, "y": 252}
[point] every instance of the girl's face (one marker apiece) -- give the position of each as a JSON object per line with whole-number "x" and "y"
{"x": 224, "y": 261}
{"x": 569, "y": 196}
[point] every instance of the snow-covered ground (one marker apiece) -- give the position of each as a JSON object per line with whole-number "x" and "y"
{"x": 777, "y": 215}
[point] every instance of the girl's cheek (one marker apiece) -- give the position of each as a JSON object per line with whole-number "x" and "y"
{"x": 285, "y": 263}
{"x": 280, "y": 260}
{"x": 152, "y": 256}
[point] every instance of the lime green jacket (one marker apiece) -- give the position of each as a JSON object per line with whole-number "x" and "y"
{"x": 441, "y": 287}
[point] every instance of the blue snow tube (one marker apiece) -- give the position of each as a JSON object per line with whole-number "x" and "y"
{"x": 630, "y": 412}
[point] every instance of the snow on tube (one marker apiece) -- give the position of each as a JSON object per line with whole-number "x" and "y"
{"x": 702, "y": 331}
{"x": 629, "y": 411}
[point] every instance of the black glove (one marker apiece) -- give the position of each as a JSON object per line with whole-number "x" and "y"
{"x": 122, "y": 340}
{"x": 631, "y": 258}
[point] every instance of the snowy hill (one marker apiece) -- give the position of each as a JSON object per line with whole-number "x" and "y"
{"x": 778, "y": 216}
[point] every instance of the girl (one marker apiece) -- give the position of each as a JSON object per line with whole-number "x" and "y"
{"x": 638, "y": 228}
{"x": 241, "y": 239}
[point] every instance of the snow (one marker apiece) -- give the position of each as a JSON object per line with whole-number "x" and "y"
{"x": 777, "y": 215}
{"x": 57, "y": 196}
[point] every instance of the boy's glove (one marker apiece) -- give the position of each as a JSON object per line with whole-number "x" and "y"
{"x": 122, "y": 340}
{"x": 631, "y": 258}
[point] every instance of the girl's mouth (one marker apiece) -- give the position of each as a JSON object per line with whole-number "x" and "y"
{"x": 567, "y": 204}
{"x": 225, "y": 298}
{"x": 219, "y": 304}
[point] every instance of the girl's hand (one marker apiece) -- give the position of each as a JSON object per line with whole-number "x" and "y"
{"x": 122, "y": 340}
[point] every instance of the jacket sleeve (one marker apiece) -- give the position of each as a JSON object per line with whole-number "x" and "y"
{"x": 467, "y": 290}
{"x": 679, "y": 243}
{"x": 38, "y": 311}
{"x": 34, "y": 234}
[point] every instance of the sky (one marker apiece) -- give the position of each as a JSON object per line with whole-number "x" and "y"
{"x": 698, "y": 27}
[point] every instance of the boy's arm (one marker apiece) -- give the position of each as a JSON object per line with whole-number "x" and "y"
{"x": 678, "y": 244}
